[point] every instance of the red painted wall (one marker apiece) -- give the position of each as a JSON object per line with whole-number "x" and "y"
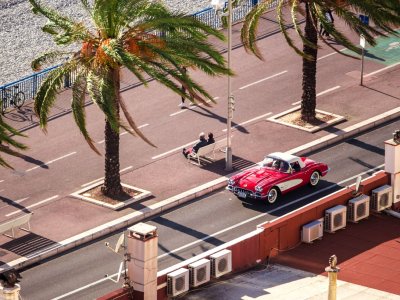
{"x": 280, "y": 235}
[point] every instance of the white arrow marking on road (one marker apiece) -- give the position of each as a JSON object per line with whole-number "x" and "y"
{"x": 249, "y": 121}
{"x": 98, "y": 179}
{"x": 321, "y": 93}
{"x": 125, "y": 132}
{"x": 33, "y": 205}
{"x": 222, "y": 231}
{"x": 261, "y": 80}
{"x": 51, "y": 161}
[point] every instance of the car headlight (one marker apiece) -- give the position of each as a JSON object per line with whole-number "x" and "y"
{"x": 231, "y": 181}
{"x": 259, "y": 188}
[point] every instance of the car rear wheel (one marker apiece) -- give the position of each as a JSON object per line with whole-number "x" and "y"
{"x": 314, "y": 178}
{"x": 272, "y": 195}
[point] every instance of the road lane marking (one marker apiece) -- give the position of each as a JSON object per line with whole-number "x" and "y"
{"x": 175, "y": 149}
{"x": 123, "y": 133}
{"x": 330, "y": 54}
{"x": 321, "y": 93}
{"x": 249, "y": 121}
{"x": 380, "y": 70}
{"x": 217, "y": 233}
{"x": 1, "y": 181}
{"x": 33, "y": 205}
{"x": 51, "y": 161}
{"x": 98, "y": 179}
{"x": 261, "y": 80}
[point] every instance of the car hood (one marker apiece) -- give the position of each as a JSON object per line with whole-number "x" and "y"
{"x": 258, "y": 176}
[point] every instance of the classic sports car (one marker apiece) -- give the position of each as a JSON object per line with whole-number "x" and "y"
{"x": 276, "y": 175}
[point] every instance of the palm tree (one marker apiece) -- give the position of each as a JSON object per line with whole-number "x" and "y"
{"x": 140, "y": 35}
{"x": 384, "y": 14}
{"x": 6, "y": 142}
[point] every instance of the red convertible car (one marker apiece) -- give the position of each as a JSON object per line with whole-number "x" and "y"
{"x": 276, "y": 175}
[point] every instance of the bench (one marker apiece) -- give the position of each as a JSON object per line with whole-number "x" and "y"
{"x": 16, "y": 223}
{"x": 206, "y": 150}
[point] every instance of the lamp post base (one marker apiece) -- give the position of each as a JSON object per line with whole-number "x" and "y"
{"x": 228, "y": 159}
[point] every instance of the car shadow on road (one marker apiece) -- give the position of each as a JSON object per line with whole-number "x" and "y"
{"x": 292, "y": 200}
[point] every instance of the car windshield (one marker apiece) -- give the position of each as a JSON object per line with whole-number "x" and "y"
{"x": 275, "y": 164}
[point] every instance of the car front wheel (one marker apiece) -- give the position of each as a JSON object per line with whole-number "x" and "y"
{"x": 314, "y": 178}
{"x": 272, "y": 195}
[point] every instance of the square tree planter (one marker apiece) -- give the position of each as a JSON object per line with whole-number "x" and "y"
{"x": 89, "y": 194}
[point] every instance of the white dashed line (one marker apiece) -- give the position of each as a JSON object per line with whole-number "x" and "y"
{"x": 383, "y": 69}
{"x": 173, "y": 150}
{"x": 261, "y": 80}
{"x": 125, "y": 132}
{"x": 98, "y": 179}
{"x": 321, "y": 93}
{"x": 249, "y": 121}
{"x": 1, "y": 181}
{"x": 51, "y": 161}
{"x": 33, "y": 205}
{"x": 330, "y": 54}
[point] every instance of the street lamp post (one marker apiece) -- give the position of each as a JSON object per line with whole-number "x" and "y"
{"x": 218, "y": 6}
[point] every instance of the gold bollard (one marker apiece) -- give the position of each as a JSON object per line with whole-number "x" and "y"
{"x": 332, "y": 270}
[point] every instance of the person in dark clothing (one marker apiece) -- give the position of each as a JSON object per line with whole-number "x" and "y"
{"x": 201, "y": 143}
{"x": 183, "y": 89}
{"x": 210, "y": 138}
{"x": 329, "y": 18}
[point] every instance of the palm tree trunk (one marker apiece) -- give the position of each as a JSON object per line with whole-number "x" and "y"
{"x": 112, "y": 180}
{"x": 308, "y": 99}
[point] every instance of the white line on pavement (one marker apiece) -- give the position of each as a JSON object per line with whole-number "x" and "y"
{"x": 261, "y": 80}
{"x": 222, "y": 231}
{"x": 33, "y": 205}
{"x": 321, "y": 93}
{"x": 98, "y": 179}
{"x": 1, "y": 180}
{"x": 249, "y": 121}
{"x": 383, "y": 69}
{"x": 173, "y": 150}
{"x": 51, "y": 161}
{"x": 125, "y": 132}
{"x": 330, "y": 54}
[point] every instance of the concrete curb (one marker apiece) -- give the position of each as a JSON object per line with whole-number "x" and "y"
{"x": 186, "y": 196}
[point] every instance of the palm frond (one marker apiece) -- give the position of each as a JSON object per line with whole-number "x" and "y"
{"x": 46, "y": 95}
{"x": 48, "y": 58}
{"x": 132, "y": 123}
{"x": 78, "y": 107}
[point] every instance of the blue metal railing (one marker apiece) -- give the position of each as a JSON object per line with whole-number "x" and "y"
{"x": 29, "y": 85}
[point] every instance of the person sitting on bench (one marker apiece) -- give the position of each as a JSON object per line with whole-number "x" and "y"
{"x": 201, "y": 143}
{"x": 210, "y": 138}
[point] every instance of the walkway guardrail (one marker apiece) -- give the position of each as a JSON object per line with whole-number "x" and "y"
{"x": 29, "y": 84}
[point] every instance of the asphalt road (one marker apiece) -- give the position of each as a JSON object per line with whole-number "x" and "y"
{"x": 201, "y": 225}
{"x": 60, "y": 163}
